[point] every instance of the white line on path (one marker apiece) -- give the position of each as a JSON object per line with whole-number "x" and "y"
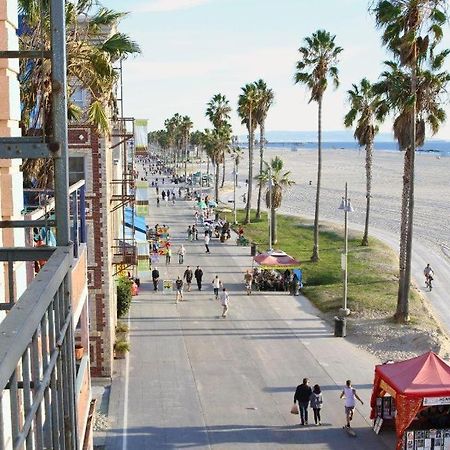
{"x": 125, "y": 401}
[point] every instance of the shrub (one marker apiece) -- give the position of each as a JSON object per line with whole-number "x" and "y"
{"x": 123, "y": 296}
{"x": 122, "y": 327}
{"x": 122, "y": 346}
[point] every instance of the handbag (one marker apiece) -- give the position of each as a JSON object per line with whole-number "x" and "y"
{"x": 294, "y": 409}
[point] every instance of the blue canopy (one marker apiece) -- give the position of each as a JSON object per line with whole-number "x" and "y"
{"x": 139, "y": 222}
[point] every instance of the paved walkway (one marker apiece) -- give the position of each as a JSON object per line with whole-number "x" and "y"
{"x": 195, "y": 380}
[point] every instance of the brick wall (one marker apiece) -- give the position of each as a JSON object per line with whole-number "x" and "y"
{"x": 84, "y": 140}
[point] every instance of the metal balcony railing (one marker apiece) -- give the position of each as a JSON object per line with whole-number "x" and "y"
{"x": 37, "y": 366}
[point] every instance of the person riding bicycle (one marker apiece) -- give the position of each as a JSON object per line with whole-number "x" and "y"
{"x": 429, "y": 274}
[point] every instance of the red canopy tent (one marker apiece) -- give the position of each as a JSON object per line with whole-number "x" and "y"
{"x": 276, "y": 260}
{"x": 413, "y": 383}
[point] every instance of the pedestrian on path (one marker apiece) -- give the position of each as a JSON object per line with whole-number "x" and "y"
{"x": 181, "y": 254}
{"x": 198, "y": 277}
{"x": 349, "y": 392}
{"x": 157, "y": 201}
{"x": 188, "y": 277}
{"x": 248, "y": 279}
{"x": 179, "y": 288}
{"x": 207, "y": 238}
{"x": 155, "y": 278}
{"x": 168, "y": 255}
{"x": 217, "y": 284}
{"x": 302, "y": 396}
{"x": 224, "y": 300}
{"x": 316, "y": 401}
{"x": 189, "y": 233}
{"x": 194, "y": 232}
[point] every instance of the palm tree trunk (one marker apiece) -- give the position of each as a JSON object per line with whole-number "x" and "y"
{"x": 403, "y": 231}
{"x": 402, "y": 314}
{"x": 273, "y": 224}
{"x": 250, "y": 168}
{"x": 185, "y": 158}
{"x": 369, "y": 155}
{"x": 223, "y": 172}
{"x": 261, "y": 158}
{"x": 216, "y": 184}
{"x": 315, "y": 255}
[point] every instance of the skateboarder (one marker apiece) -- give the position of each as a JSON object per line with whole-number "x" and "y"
{"x": 349, "y": 392}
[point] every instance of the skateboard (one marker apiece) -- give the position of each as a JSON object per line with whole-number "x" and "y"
{"x": 350, "y": 431}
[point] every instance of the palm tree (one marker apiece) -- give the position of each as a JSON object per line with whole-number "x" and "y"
{"x": 218, "y": 112}
{"x": 247, "y": 104}
{"x": 395, "y": 86}
{"x": 91, "y": 55}
{"x": 411, "y": 30}
{"x": 185, "y": 126}
{"x": 273, "y": 174}
{"x": 265, "y": 101}
{"x": 217, "y": 141}
{"x": 366, "y": 108}
{"x": 318, "y": 62}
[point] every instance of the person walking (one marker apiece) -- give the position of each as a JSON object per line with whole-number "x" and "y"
{"x": 181, "y": 254}
{"x": 188, "y": 277}
{"x": 168, "y": 255}
{"x": 155, "y": 278}
{"x": 302, "y": 396}
{"x": 217, "y": 284}
{"x": 316, "y": 401}
{"x": 349, "y": 393}
{"x": 207, "y": 238}
{"x": 198, "y": 274}
{"x": 224, "y": 300}
{"x": 179, "y": 288}
{"x": 157, "y": 201}
{"x": 248, "y": 279}
{"x": 189, "y": 233}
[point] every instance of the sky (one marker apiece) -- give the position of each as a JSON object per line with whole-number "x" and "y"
{"x": 193, "y": 49}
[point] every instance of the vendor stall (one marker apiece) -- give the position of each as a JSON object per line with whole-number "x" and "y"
{"x": 416, "y": 394}
{"x": 277, "y": 271}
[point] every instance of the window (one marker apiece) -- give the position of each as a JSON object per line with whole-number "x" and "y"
{"x": 76, "y": 169}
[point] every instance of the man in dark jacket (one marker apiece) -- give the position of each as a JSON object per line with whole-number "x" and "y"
{"x": 188, "y": 277}
{"x": 302, "y": 395}
{"x": 155, "y": 278}
{"x": 198, "y": 274}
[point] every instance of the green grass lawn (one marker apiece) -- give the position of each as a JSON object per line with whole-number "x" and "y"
{"x": 372, "y": 270}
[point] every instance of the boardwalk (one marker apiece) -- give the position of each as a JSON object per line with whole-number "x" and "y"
{"x": 194, "y": 380}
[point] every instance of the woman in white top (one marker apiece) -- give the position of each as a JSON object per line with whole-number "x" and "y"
{"x": 181, "y": 254}
{"x": 217, "y": 284}
{"x": 224, "y": 297}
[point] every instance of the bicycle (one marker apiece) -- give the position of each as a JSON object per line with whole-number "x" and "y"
{"x": 428, "y": 282}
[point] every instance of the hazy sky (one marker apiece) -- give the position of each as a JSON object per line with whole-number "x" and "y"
{"x": 193, "y": 49}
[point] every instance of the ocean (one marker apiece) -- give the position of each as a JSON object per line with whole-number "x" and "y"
{"x": 436, "y": 148}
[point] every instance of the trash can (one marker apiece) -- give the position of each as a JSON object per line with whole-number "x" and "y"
{"x": 340, "y": 326}
{"x": 253, "y": 249}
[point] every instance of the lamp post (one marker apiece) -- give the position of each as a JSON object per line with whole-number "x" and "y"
{"x": 234, "y": 141}
{"x": 346, "y": 207}
{"x": 269, "y": 172}
{"x": 201, "y": 173}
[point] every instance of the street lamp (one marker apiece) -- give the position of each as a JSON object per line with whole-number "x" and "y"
{"x": 346, "y": 207}
{"x": 269, "y": 172}
{"x": 234, "y": 141}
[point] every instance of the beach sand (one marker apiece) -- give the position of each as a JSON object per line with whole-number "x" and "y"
{"x": 432, "y": 190}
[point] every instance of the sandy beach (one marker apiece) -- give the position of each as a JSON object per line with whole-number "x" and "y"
{"x": 432, "y": 191}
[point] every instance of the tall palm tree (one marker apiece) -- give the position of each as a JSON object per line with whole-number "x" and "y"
{"x": 91, "y": 55}
{"x": 319, "y": 57}
{"x": 247, "y": 104}
{"x": 273, "y": 174}
{"x": 395, "y": 86}
{"x": 217, "y": 142}
{"x": 185, "y": 126}
{"x": 367, "y": 109}
{"x": 265, "y": 101}
{"x": 411, "y": 30}
{"x": 218, "y": 112}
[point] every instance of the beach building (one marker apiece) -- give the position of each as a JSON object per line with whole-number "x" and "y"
{"x": 45, "y": 395}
